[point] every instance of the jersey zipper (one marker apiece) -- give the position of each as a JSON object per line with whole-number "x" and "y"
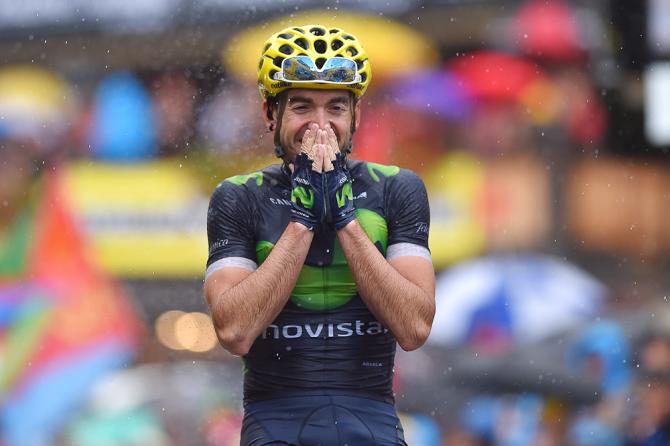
{"x": 324, "y": 187}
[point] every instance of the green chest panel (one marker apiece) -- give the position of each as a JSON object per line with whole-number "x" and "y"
{"x": 331, "y": 286}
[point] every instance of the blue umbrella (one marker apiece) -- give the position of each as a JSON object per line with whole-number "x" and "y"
{"x": 507, "y": 300}
{"x": 440, "y": 93}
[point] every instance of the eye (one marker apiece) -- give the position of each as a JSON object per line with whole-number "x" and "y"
{"x": 299, "y": 107}
{"x": 338, "y": 108}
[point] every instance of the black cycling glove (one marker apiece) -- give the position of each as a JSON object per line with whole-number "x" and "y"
{"x": 307, "y": 204}
{"x": 340, "y": 193}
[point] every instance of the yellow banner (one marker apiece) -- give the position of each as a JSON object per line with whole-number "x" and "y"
{"x": 145, "y": 220}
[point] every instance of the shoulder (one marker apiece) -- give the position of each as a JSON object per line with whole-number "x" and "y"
{"x": 382, "y": 173}
{"x": 248, "y": 183}
{"x": 372, "y": 171}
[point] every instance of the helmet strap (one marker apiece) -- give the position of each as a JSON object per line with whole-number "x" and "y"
{"x": 349, "y": 147}
{"x": 280, "y": 104}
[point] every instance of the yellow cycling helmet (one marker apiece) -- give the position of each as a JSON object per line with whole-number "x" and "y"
{"x": 320, "y": 44}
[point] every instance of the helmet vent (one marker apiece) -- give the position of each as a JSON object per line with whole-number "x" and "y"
{"x": 336, "y": 44}
{"x": 319, "y": 62}
{"x": 348, "y": 37}
{"x": 302, "y": 43}
{"x": 273, "y": 73}
{"x": 277, "y": 61}
{"x": 286, "y": 35}
{"x": 364, "y": 77}
{"x": 352, "y": 51}
{"x": 318, "y": 31}
{"x": 334, "y": 30}
{"x": 285, "y": 49}
{"x": 267, "y": 47}
{"x": 300, "y": 30}
{"x": 320, "y": 46}
{"x": 359, "y": 64}
{"x": 260, "y": 63}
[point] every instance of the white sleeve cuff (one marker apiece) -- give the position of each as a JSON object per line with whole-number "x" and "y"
{"x": 237, "y": 262}
{"x": 407, "y": 249}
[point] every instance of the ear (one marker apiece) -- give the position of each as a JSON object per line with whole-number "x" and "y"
{"x": 269, "y": 116}
{"x": 357, "y": 114}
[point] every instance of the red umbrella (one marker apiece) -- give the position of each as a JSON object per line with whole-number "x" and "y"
{"x": 548, "y": 30}
{"x": 490, "y": 75}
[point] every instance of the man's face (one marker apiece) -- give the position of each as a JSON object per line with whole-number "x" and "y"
{"x": 305, "y": 106}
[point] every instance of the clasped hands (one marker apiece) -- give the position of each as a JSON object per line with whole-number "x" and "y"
{"x": 321, "y": 191}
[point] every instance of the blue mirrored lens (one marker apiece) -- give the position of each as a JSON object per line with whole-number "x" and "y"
{"x": 303, "y": 69}
{"x": 300, "y": 68}
{"x": 339, "y": 70}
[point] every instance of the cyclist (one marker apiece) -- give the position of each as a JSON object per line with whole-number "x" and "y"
{"x": 319, "y": 265}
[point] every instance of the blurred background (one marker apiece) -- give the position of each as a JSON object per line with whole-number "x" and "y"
{"x": 540, "y": 127}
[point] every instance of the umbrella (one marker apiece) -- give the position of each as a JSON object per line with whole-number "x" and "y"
{"x": 500, "y": 301}
{"x": 491, "y": 75}
{"x": 549, "y": 30}
{"x": 393, "y": 47}
{"x": 34, "y": 103}
{"x": 435, "y": 92}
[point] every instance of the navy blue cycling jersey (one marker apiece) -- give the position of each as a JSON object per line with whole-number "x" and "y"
{"x": 325, "y": 341}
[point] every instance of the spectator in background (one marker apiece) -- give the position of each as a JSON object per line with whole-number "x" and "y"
{"x": 227, "y": 122}
{"x": 123, "y": 121}
{"x": 602, "y": 353}
{"x": 174, "y": 97}
{"x": 16, "y": 174}
{"x": 651, "y": 423}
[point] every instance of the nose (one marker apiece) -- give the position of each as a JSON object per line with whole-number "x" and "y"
{"x": 321, "y": 117}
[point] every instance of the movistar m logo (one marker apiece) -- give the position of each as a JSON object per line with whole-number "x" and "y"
{"x": 323, "y": 330}
{"x": 387, "y": 171}
{"x": 344, "y": 193}
{"x": 305, "y": 196}
{"x": 242, "y": 179}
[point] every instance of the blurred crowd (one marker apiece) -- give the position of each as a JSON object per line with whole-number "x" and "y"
{"x": 553, "y": 325}
{"x": 629, "y": 400}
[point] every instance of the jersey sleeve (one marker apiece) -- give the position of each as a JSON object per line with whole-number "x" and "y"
{"x": 408, "y": 216}
{"x": 230, "y": 229}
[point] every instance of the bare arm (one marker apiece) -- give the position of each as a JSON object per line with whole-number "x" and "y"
{"x": 400, "y": 293}
{"x": 243, "y": 303}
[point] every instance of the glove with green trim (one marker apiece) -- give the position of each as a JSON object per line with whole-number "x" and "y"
{"x": 307, "y": 204}
{"x": 340, "y": 194}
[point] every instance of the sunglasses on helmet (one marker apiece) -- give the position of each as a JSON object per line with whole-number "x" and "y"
{"x": 336, "y": 70}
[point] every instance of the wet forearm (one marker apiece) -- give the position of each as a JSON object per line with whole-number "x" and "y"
{"x": 242, "y": 312}
{"x": 403, "y": 307}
